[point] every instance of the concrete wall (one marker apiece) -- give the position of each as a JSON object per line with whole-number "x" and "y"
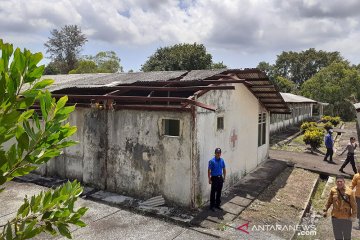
{"x": 126, "y": 152}
{"x": 294, "y": 118}
{"x": 144, "y": 162}
{"x": 239, "y": 108}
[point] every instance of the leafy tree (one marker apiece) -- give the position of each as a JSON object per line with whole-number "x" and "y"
{"x": 85, "y": 66}
{"x": 103, "y": 62}
{"x": 267, "y": 68}
{"x": 65, "y": 45}
{"x": 107, "y": 62}
{"x": 218, "y": 65}
{"x": 338, "y": 85}
{"x": 301, "y": 66}
{"x": 52, "y": 69}
{"x": 28, "y": 140}
{"x": 284, "y": 85}
{"x": 179, "y": 57}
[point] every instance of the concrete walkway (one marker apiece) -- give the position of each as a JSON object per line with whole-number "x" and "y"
{"x": 103, "y": 221}
{"x": 241, "y": 195}
{"x": 314, "y": 162}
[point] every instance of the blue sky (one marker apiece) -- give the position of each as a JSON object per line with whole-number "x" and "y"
{"x": 240, "y": 33}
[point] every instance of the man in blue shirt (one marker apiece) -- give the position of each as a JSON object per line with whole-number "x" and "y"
{"x": 215, "y": 174}
{"x": 329, "y": 143}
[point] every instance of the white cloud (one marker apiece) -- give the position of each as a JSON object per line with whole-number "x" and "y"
{"x": 245, "y": 27}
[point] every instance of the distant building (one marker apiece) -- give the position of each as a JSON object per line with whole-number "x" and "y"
{"x": 357, "y": 108}
{"x": 301, "y": 109}
{"x": 152, "y": 133}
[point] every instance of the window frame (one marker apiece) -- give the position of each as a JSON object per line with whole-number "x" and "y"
{"x": 222, "y": 123}
{"x": 166, "y": 124}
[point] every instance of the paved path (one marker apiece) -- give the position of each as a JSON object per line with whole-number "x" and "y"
{"x": 104, "y": 222}
{"x": 239, "y": 198}
{"x": 314, "y": 162}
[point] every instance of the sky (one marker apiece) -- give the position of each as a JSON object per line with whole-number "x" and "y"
{"x": 239, "y": 33}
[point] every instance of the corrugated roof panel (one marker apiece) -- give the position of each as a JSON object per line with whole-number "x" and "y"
{"x": 292, "y": 98}
{"x": 357, "y": 106}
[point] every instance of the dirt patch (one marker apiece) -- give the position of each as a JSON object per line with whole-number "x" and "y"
{"x": 282, "y": 203}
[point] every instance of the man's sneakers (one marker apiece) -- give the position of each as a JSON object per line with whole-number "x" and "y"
{"x": 325, "y": 160}
{"x": 212, "y": 209}
{"x": 220, "y": 208}
{"x": 340, "y": 170}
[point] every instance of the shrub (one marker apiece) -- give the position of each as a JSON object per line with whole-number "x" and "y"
{"x": 333, "y": 120}
{"x": 314, "y": 138}
{"x": 308, "y": 125}
{"x": 325, "y": 119}
{"x": 328, "y": 126}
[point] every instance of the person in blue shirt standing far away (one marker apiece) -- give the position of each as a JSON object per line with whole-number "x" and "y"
{"x": 329, "y": 143}
{"x": 216, "y": 171}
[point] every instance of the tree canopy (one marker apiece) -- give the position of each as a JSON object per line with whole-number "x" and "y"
{"x": 180, "y": 57}
{"x": 301, "y": 66}
{"x": 284, "y": 84}
{"x": 339, "y": 85}
{"x": 64, "y": 46}
{"x": 102, "y": 62}
{"x": 298, "y": 67}
{"x": 29, "y": 138}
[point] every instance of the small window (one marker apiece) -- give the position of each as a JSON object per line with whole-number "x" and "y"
{"x": 171, "y": 127}
{"x": 220, "y": 123}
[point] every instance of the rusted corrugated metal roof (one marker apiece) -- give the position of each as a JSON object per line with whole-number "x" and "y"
{"x": 100, "y": 84}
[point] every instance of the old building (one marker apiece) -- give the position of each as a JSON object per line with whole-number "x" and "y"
{"x": 357, "y": 108}
{"x": 301, "y": 109}
{"x": 146, "y": 134}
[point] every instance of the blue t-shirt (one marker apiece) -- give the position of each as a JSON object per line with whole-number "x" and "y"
{"x": 216, "y": 166}
{"x": 329, "y": 143}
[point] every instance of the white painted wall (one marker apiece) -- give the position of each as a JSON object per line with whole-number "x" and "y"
{"x": 239, "y": 108}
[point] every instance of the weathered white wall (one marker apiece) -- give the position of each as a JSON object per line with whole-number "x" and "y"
{"x": 124, "y": 151}
{"x": 276, "y": 126}
{"x": 239, "y": 108}
{"x": 142, "y": 161}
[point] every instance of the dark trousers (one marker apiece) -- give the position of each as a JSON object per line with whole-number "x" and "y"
{"x": 342, "y": 228}
{"x": 349, "y": 158}
{"x": 215, "y": 194}
{"x": 329, "y": 152}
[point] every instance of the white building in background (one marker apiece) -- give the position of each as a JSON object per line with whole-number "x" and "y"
{"x": 301, "y": 109}
{"x": 357, "y": 108}
{"x": 153, "y": 133}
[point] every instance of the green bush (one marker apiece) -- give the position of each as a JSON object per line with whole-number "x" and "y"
{"x": 328, "y": 125}
{"x": 314, "y": 138}
{"x": 333, "y": 120}
{"x": 308, "y": 125}
{"x": 325, "y": 119}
